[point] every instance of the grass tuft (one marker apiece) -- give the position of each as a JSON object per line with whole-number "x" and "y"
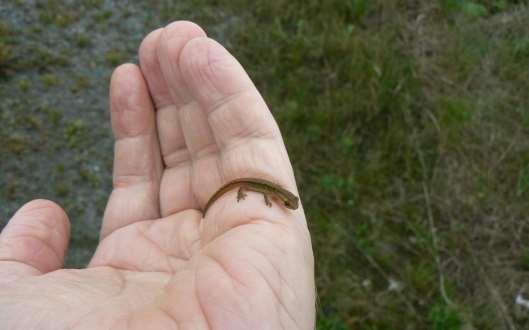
{"x": 115, "y": 57}
{"x": 444, "y": 318}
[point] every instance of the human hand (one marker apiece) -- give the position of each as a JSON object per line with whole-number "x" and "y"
{"x": 186, "y": 122}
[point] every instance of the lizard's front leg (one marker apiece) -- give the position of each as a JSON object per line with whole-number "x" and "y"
{"x": 240, "y": 194}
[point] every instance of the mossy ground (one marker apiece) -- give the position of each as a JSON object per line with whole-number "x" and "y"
{"x": 407, "y": 123}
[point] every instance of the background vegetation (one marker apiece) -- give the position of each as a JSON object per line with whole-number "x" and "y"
{"x": 407, "y": 122}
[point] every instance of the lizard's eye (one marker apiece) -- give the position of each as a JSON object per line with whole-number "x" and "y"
{"x": 291, "y": 204}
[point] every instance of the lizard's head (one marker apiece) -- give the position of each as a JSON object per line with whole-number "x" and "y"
{"x": 292, "y": 203}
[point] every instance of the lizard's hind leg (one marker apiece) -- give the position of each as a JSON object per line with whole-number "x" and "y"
{"x": 267, "y": 200}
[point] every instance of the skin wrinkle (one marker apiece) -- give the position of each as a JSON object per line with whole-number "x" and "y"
{"x": 191, "y": 115}
{"x": 221, "y": 265}
{"x": 168, "y": 256}
{"x": 177, "y": 158}
{"x": 171, "y": 317}
{"x": 54, "y": 229}
{"x": 21, "y": 263}
{"x": 195, "y": 202}
{"x": 147, "y": 54}
{"x": 128, "y": 180}
{"x": 110, "y": 264}
{"x": 180, "y": 259}
{"x": 270, "y": 286}
{"x": 121, "y": 133}
{"x": 243, "y": 141}
{"x": 175, "y": 210}
{"x": 196, "y": 245}
{"x": 121, "y": 288}
{"x": 47, "y": 234}
{"x": 277, "y": 224}
{"x": 129, "y": 135}
{"x": 218, "y": 262}
{"x": 134, "y": 136}
{"x": 117, "y": 276}
{"x": 145, "y": 217}
{"x": 121, "y": 226}
{"x": 197, "y": 296}
{"x": 121, "y": 281}
{"x": 244, "y": 131}
{"x": 208, "y": 69}
{"x": 205, "y": 151}
{"x": 80, "y": 319}
{"x": 170, "y": 134}
{"x": 213, "y": 61}
{"x": 229, "y": 98}
{"x": 236, "y": 225}
{"x": 219, "y": 163}
{"x": 158, "y": 105}
{"x": 187, "y": 245}
{"x": 193, "y": 62}
{"x": 121, "y": 100}
{"x": 44, "y": 204}
{"x": 277, "y": 298}
{"x": 48, "y": 231}
{"x": 236, "y": 141}
{"x": 44, "y": 243}
{"x": 169, "y": 107}
{"x": 107, "y": 237}
{"x": 38, "y": 204}
{"x": 128, "y": 322}
{"x": 173, "y": 63}
{"x": 283, "y": 282}
{"x": 151, "y": 172}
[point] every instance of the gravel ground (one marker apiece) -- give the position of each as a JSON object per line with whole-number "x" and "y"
{"x": 56, "y": 140}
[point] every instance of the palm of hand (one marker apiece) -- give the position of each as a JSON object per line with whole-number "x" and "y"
{"x": 159, "y": 263}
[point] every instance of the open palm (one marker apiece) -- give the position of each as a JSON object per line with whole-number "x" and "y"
{"x": 186, "y": 121}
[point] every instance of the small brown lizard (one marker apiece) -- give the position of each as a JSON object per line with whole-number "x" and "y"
{"x": 267, "y": 188}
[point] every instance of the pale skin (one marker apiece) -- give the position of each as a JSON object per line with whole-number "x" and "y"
{"x": 187, "y": 120}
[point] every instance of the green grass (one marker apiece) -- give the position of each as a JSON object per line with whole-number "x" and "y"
{"x": 53, "y": 12}
{"x": 50, "y": 80}
{"x": 24, "y": 84}
{"x": 408, "y": 127}
{"x": 115, "y": 57}
{"x": 384, "y": 115}
{"x": 443, "y": 318}
{"x": 75, "y": 133}
{"x": 83, "y": 40}
{"x": 82, "y": 83}
{"x": 7, "y": 54}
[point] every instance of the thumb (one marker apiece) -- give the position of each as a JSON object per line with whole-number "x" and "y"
{"x": 34, "y": 241}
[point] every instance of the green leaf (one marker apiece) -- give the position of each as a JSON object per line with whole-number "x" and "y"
{"x": 473, "y": 9}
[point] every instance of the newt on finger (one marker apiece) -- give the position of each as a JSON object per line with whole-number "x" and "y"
{"x": 268, "y": 189}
